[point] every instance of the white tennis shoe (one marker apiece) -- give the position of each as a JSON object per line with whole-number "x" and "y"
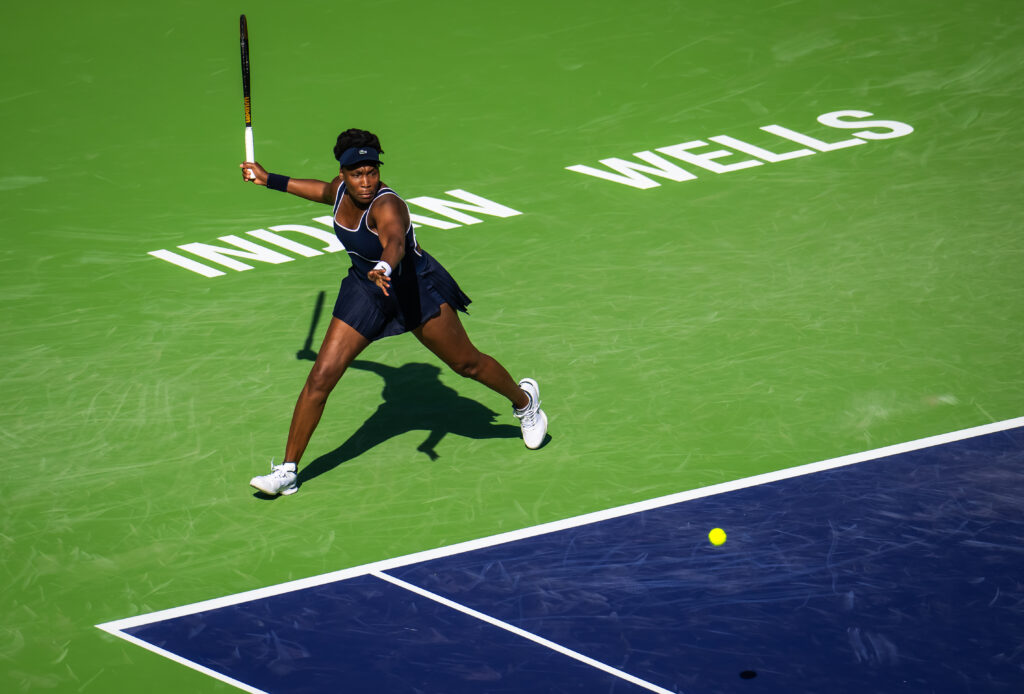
{"x": 281, "y": 480}
{"x": 532, "y": 419}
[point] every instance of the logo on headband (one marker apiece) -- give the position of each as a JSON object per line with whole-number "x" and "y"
{"x": 354, "y": 155}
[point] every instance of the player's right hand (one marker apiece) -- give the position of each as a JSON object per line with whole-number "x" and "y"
{"x": 252, "y": 172}
{"x": 380, "y": 279}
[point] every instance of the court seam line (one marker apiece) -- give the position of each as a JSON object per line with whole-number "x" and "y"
{"x": 115, "y": 627}
{"x": 494, "y": 621}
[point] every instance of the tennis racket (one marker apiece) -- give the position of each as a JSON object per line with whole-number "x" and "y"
{"x": 243, "y": 31}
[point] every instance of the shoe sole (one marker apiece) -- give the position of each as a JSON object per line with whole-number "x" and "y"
{"x": 281, "y": 492}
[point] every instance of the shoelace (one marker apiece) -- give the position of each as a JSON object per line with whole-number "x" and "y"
{"x": 277, "y": 471}
{"x": 529, "y": 415}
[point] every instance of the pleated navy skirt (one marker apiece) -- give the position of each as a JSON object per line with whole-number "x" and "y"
{"x": 416, "y": 295}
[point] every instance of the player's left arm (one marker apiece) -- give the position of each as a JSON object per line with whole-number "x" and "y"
{"x": 390, "y": 219}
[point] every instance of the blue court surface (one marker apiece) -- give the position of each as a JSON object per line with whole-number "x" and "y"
{"x": 896, "y": 570}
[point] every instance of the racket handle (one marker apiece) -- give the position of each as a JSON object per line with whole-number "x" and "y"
{"x": 249, "y": 155}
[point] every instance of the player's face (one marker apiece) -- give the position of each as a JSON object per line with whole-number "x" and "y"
{"x": 362, "y": 182}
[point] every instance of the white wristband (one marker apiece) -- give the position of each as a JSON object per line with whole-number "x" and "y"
{"x": 381, "y": 265}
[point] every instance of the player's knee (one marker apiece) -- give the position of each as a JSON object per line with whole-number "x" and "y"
{"x": 468, "y": 367}
{"x": 320, "y": 383}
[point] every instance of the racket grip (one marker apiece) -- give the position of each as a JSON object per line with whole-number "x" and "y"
{"x": 249, "y": 154}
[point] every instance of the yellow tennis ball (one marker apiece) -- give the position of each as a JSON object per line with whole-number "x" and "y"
{"x": 716, "y": 536}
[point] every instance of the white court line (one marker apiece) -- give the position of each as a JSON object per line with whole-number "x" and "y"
{"x": 521, "y": 632}
{"x": 117, "y": 627}
{"x": 185, "y": 661}
{"x": 554, "y": 526}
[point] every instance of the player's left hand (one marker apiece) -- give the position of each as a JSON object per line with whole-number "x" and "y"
{"x": 380, "y": 279}
{"x": 252, "y": 172}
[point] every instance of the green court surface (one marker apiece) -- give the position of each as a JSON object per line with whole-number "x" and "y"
{"x": 683, "y": 334}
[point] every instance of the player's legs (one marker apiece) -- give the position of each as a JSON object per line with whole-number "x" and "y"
{"x": 445, "y": 336}
{"x": 341, "y": 345}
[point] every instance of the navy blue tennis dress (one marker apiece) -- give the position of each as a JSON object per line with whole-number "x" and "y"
{"x": 419, "y": 285}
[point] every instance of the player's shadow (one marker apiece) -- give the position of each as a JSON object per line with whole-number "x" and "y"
{"x": 307, "y": 352}
{"x": 415, "y": 399}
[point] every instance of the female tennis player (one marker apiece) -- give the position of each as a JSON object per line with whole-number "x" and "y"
{"x": 392, "y": 287}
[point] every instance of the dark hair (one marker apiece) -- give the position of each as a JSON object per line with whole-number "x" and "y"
{"x": 356, "y": 138}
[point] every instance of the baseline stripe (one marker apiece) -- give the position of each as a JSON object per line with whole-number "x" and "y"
{"x": 114, "y": 627}
{"x": 521, "y": 632}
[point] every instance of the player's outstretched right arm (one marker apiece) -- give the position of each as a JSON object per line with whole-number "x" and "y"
{"x": 308, "y": 188}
